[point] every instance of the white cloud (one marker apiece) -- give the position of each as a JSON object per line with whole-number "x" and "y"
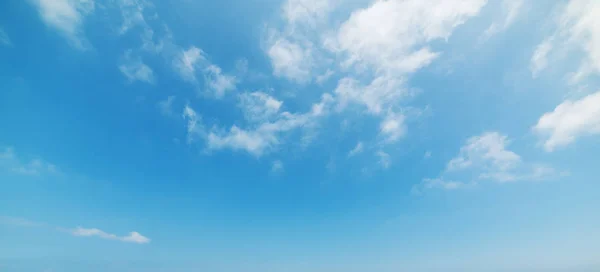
{"x": 391, "y": 36}
{"x": 4, "y": 39}
{"x": 218, "y": 82}
{"x": 132, "y": 237}
{"x": 34, "y": 167}
{"x": 187, "y": 62}
{"x": 569, "y": 121}
{"x": 290, "y": 60}
{"x": 259, "y": 106}
{"x": 384, "y": 159}
{"x": 488, "y": 149}
{"x": 486, "y": 157}
{"x": 134, "y": 69}
{"x": 427, "y": 155}
{"x": 356, "y": 150}
{"x": 577, "y": 29}
{"x": 539, "y": 60}
{"x": 66, "y": 16}
{"x": 166, "y": 106}
{"x": 510, "y": 11}
{"x": 392, "y": 127}
{"x": 260, "y": 138}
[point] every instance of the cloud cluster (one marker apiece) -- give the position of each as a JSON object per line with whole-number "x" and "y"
{"x": 485, "y": 157}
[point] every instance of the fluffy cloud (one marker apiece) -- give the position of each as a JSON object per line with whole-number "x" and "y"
{"x": 577, "y": 29}
{"x": 391, "y": 36}
{"x": 132, "y": 237}
{"x": 134, "y": 69}
{"x": 66, "y": 16}
{"x": 569, "y": 121}
{"x": 290, "y": 60}
{"x": 34, "y": 167}
{"x": 486, "y": 157}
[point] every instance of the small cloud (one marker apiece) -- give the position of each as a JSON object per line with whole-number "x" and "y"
{"x": 166, "y": 106}
{"x": 539, "y": 60}
{"x": 217, "y": 82}
{"x": 276, "y": 166}
{"x": 132, "y": 237}
{"x": 187, "y": 61}
{"x": 4, "y": 39}
{"x": 486, "y": 157}
{"x": 134, "y": 69}
{"x": 356, "y": 150}
{"x": 427, "y": 155}
{"x": 384, "y": 159}
{"x": 35, "y": 167}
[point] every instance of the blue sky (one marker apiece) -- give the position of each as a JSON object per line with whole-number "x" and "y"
{"x": 299, "y": 135}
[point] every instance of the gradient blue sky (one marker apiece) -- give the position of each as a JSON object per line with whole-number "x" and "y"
{"x": 299, "y": 135}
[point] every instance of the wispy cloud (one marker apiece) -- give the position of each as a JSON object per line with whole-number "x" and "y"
{"x": 9, "y": 161}
{"x": 134, "y": 69}
{"x": 510, "y": 9}
{"x": 356, "y": 150}
{"x": 166, "y": 106}
{"x": 486, "y": 157}
{"x": 4, "y": 39}
{"x": 132, "y": 237}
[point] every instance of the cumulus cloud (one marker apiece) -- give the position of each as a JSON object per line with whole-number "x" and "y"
{"x": 486, "y": 157}
{"x": 568, "y": 121}
{"x": 9, "y": 161}
{"x": 132, "y": 237}
{"x": 67, "y": 17}
{"x": 134, "y": 69}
